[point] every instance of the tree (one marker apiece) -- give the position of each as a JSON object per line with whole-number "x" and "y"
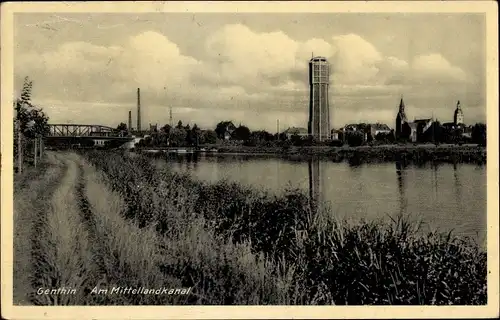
{"x": 296, "y": 140}
{"x": 178, "y": 137}
{"x": 179, "y": 125}
{"x": 355, "y": 138}
{"x": 210, "y": 137}
{"x": 196, "y": 133}
{"x": 223, "y": 127}
{"x": 478, "y": 134}
{"x": 33, "y": 121}
{"x": 282, "y": 137}
{"x": 161, "y": 137}
{"x": 121, "y": 127}
{"x": 166, "y": 128}
{"x": 385, "y": 137}
{"x": 241, "y": 133}
{"x": 190, "y": 140}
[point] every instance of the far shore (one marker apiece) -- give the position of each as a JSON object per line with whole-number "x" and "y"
{"x": 407, "y": 152}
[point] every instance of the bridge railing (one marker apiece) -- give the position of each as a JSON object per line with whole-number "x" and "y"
{"x": 82, "y": 130}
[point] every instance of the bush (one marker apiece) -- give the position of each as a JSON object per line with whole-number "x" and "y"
{"x": 336, "y": 143}
{"x": 355, "y": 139}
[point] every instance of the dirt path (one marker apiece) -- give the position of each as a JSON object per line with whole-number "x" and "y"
{"x": 70, "y": 234}
{"x": 61, "y": 256}
{"x": 52, "y": 247}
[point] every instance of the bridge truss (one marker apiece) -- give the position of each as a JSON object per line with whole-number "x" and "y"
{"x": 82, "y": 130}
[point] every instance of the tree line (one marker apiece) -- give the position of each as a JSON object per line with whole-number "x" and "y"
{"x": 225, "y": 132}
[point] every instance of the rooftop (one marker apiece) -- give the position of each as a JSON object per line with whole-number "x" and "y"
{"x": 380, "y": 126}
{"x": 296, "y": 130}
{"x": 422, "y": 120}
{"x": 318, "y": 58}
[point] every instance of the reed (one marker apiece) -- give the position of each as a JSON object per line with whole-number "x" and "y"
{"x": 314, "y": 257}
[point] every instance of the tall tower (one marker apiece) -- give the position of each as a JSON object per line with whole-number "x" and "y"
{"x": 130, "y": 120}
{"x": 319, "y": 108}
{"x": 138, "y": 109}
{"x": 400, "y": 118}
{"x": 458, "y": 117}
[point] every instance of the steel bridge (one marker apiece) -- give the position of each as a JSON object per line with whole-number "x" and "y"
{"x": 85, "y": 136}
{"x": 82, "y": 130}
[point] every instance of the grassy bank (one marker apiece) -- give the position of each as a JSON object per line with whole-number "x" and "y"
{"x": 236, "y": 245}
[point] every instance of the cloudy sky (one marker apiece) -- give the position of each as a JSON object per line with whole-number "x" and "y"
{"x": 250, "y": 67}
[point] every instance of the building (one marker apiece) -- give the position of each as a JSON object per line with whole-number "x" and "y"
{"x": 458, "y": 116}
{"x": 319, "y": 108}
{"x": 424, "y": 130}
{"x": 409, "y": 131}
{"x": 401, "y": 119}
{"x": 360, "y": 128}
{"x": 301, "y": 132}
{"x": 337, "y": 134}
{"x": 378, "y": 128}
{"x": 225, "y": 130}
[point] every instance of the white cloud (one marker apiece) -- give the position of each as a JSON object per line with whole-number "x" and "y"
{"x": 243, "y": 69}
{"x": 354, "y": 60}
{"x": 435, "y": 66}
{"x": 242, "y": 55}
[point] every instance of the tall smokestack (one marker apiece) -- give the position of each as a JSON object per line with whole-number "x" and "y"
{"x": 138, "y": 109}
{"x": 130, "y": 120}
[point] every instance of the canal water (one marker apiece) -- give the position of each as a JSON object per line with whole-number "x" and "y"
{"x": 443, "y": 196}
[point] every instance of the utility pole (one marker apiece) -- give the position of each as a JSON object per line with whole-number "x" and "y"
{"x": 19, "y": 148}
{"x": 36, "y": 148}
{"x": 41, "y": 147}
{"x": 171, "y": 120}
{"x": 138, "y": 110}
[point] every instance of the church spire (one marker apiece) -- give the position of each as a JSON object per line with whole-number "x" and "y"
{"x": 401, "y": 105}
{"x": 458, "y": 116}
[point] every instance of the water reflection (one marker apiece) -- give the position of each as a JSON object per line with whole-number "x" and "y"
{"x": 446, "y": 196}
{"x": 401, "y": 174}
{"x": 458, "y": 183}
{"x": 314, "y": 182}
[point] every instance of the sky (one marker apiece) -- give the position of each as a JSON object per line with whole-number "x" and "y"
{"x": 250, "y": 68}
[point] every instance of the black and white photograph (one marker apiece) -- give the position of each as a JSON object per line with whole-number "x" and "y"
{"x": 240, "y": 155}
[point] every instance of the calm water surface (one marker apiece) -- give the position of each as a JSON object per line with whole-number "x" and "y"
{"x": 443, "y": 196}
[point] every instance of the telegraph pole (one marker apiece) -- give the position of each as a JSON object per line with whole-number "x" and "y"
{"x": 171, "y": 119}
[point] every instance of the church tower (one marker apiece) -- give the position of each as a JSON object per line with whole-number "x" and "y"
{"x": 458, "y": 117}
{"x": 400, "y": 118}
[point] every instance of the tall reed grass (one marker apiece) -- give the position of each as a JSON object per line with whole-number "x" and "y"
{"x": 188, "y": 255}
{"x": 315, "y": 258}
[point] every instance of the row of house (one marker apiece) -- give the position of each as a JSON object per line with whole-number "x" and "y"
{"x": 368, "y": 130}
{"x": 416, "y": 130}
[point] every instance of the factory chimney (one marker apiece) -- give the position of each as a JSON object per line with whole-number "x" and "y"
{"x": 138, "y": 109}
{"x": 130, "y": 120}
